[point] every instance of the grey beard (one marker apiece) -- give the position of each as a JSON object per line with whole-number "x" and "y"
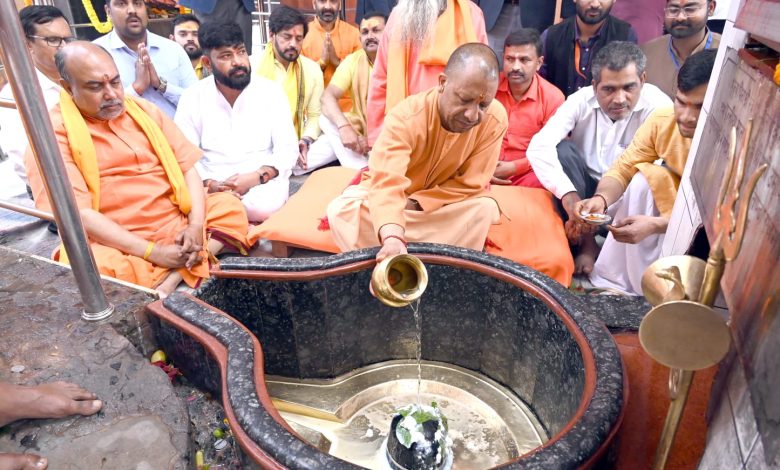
{"x": 418, "y": 19}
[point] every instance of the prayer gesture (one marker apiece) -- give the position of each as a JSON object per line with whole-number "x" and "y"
{"x": 635, "y": 228}
{"x": 145, "y": 73}
{"x": 329, "y": 56}
{"x": 504, "y": 170}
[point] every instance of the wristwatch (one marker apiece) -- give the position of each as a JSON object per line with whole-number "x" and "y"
{"x": 163, "y": 85}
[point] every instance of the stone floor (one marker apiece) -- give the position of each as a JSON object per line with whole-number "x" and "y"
{"x": 142, "y": 424}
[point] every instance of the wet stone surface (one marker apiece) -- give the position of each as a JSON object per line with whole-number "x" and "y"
{"x": 143, "y": 424}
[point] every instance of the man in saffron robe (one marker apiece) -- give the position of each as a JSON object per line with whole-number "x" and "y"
{"x": 330, "y": 40}
{"x": 141, "y": 201}
{"x": 420, "y": 36}
{"x": 429, "y": 170}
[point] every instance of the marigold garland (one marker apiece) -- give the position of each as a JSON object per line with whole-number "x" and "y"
{"x": 100, "y": 26}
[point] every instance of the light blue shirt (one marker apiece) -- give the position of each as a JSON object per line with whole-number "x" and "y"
{"x": 169, "y": 59}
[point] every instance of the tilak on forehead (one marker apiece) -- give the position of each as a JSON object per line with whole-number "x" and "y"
{"x": 371, "y": 22}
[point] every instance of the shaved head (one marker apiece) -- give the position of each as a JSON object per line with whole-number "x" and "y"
{"x": 91, "y": 77}
{"x": 467, "y": 87}
{"x": 79, "y": 51}
{"x": 471, "y": 56}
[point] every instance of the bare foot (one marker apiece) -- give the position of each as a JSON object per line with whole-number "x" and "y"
{"x": 169, "y": 284}
{"x": 586, "y": 258}
{"x": 22, "y": 462}
{"x": 50, "y": 400}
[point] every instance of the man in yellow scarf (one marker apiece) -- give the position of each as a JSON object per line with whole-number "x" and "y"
{"x": 299, "y": 76}
{"x": 141, "y": 201}
{"x": 344, "y": 134}
{"x": 421, "y": 35}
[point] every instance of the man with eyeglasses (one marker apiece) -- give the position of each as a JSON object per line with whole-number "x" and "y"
{"x": 47, "y": 30}
{"x": 686, "y": 24}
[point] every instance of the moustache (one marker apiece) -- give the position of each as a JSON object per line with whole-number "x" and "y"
{"x": 133, "y": 17}
{"x": 516, "y": 74}
{"x": 371, "y": 41}
{"x": 238, "y": 68}
{"x": 291, "y": 49}
{"x": 327, "y": 12}
{"x": 110, "y": 104}
{"x": 681, "y": 23}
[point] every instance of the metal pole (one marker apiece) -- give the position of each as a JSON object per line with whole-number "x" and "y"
{"x": 26, "y": 210}
{"x": 29, "y": 99}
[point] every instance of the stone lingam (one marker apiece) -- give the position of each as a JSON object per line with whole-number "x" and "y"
{"x": 525, "y": 378}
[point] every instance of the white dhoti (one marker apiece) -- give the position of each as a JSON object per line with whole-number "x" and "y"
{"x": 620, "y": 265}
{"x": 463, "y": 224}
{"x": 328, "y": 148}
{"x": 263, "y": 200}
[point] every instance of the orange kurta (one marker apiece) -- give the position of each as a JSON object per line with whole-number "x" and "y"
{"x": 346, "y": 40}
{"x": 420, "y": 77}
{"x": 415, "y": 157}
{"x": 135, "y": 193}
{"x": 526, "y": 117}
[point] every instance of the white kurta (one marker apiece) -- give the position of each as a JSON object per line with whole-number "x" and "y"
{"x": 328, "y": 148}
{"x": 620, "y": 265}
{"x": 13, "y": 138}
{"x": 599, "y": 140}
{"x": 256, "y": 131}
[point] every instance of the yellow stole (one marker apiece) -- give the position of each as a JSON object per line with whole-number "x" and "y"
{"x": 453, "y": 29}
{"x": 357, "y": 117}
{"x": 84, "y": 156}
{"x": 293, "y": 85}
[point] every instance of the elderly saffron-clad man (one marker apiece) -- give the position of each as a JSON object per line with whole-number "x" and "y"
{"x": 241, "y": 123}
{"x": 428, "y": 172}
{"x": 132, "y": 171}
{"x": 421, "y": 35}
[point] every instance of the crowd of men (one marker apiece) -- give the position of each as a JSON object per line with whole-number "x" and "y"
{"x": 176, "y": 146}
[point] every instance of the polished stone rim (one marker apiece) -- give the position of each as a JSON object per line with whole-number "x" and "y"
{"x": 578, "y": 443}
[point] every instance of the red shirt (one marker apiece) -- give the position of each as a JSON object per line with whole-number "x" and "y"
{"x": 526, "y": 118}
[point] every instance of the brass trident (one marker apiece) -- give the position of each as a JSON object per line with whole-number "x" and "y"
{"x": 729, "y": 224}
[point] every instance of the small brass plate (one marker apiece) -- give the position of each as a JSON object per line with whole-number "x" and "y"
{"x": 685, "y": 335}
{"x": 691, "y": 270}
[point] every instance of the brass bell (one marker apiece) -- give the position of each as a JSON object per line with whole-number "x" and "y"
{"x": 399, "y": 280}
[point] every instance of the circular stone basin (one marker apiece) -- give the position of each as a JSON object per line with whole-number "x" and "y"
{"x": 509, "y": 350}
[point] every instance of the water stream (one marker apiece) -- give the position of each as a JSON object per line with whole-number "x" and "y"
{"x": 415, "y": 306}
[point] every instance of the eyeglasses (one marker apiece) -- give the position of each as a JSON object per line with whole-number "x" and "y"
{"x": 54, "y": 41}
{"x": 689, "y": 11}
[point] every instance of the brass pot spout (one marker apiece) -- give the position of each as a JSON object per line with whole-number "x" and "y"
{"x": 399, "y": 280}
